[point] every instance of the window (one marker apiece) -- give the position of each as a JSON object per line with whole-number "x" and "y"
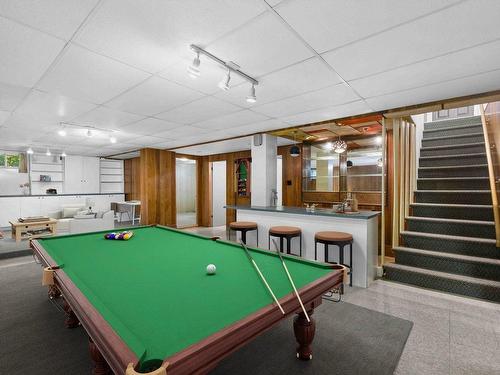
{"x": 9, "y": 160}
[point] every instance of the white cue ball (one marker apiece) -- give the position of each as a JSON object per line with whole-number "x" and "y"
{"x": 211, "y": 269}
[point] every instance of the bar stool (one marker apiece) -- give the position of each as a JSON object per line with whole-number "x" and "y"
{"x": 339, "y": 239}
{"x": 284, "y": 232}
{"x": 243, "y": 227}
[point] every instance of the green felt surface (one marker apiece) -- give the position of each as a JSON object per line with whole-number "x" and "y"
{"x": 155, "y": 293}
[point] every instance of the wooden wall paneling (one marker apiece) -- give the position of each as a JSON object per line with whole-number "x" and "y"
{"x": 166, "y": 203}
{"x": 149, "y": 181}
{"x": 291, "y": 177}
{"x": 204, "y": 200}
{"x": 132, "y": 179}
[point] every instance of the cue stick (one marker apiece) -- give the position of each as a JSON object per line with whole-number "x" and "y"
{"x": 291, "y": 281}
{"x": 261, "y": 276}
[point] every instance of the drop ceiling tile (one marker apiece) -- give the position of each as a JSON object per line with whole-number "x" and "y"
{"x": 261, "y": 46}
{"x": 11, "y": 96}
{"x": 232, "y": 120}
{"x": 309, "y": 75}
{"x": 144, "y": 141}
{"x": 4, "y": 115}
{"x": 333, "y": 95}
{"x": 328, "y": 113}
{"x": 153, "y": 96}
{"x": 199, "y": 110}
{"x": 182, "y": 132}
{"x": 165, "y": 145}
{"x": 210, "y": 75}
{"x": 439, "y": 69}
{"x": 108, "y": 118}
{"x": 58, "y": 18}
{"x": 43, "y": 109}
{"x": 150, "y": 126}
{"x": 85, "y": 75}
{"x": 24, "y": 136}
{"x": 257, "y": 127}
{"x": 476, "y": 84}
{"x": 151, "y": 35}
{"x": 422, "y": 39}
{"x": 327, "y": 24}
{"x": 26, "y": 53}
{"x": 51, "y": 138}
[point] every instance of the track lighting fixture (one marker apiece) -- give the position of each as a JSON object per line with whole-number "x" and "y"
{"x": 62, "y": 132}
{"x": 194, "y": 71}
{"x": 251, "y": 98}
{"x": 29, "y": 151}
{"x": 48, "y": 153}
{"x": 194, "y": 68}
{"x": 224, "y": 83}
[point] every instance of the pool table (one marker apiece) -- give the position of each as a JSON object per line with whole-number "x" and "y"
{"x": 148, "y": 303}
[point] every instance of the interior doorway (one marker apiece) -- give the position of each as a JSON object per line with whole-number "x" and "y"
{"x": 218, "y": 193}
{"x": 186, "y": 197}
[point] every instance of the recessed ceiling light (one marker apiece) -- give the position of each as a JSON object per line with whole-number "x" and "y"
{"x": 48, "y": 152}
{"x": 112, "y": 139}
{"x": 224, "y": 83}
{"x": 252, "y": 98}
{"x": 29, "y": 151}
{"x": 63, "y": 154}
{"x": 62, "y": 132}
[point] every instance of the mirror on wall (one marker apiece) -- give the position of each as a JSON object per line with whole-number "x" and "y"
{"x": 359, "y": 169}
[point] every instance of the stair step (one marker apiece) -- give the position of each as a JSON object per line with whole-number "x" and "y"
{"x": 455, "y": 183}
{"x": 458, "y": 149}
{"x": 483, "y": 268}
{"x": 452, "y": 122}
{"x": 452, "y": 130}
{"x": 480, "y": 247}
{"x": 453, "y": 140}
{"x": 456, "y": 227}
{"x": 451, "y": 160}
{"x": 448, "y": 282}
{"x": 473, "y": 197}
{"x": 475, "y": 170}
{"x": 453, "y": 211}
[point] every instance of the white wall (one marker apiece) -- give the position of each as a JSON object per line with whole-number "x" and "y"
{"x": 263, "y": 179}
{"x": 10, "y": 179}
{"x": 185, "y": 175}
{"x": 279, "y": 180}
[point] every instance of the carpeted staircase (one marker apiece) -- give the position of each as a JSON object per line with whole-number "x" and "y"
{"x": 449, "y": 240}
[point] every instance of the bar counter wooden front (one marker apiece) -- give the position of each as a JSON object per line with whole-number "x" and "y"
{"x": 149, "y": 302}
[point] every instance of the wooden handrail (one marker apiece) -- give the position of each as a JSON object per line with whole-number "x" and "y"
{"x": 489, "y": 145}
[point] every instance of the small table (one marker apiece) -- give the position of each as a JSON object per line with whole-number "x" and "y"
{"x": 131, "y": 204}
{"x": 18, "y": 228}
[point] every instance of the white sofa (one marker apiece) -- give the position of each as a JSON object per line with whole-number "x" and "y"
{"x": 72, "y": 219}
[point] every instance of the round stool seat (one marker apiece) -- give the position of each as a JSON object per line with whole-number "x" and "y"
{"x": 243, "y": 225}
{"x": 332, "y": 236}
{"x": 284, "y": 230}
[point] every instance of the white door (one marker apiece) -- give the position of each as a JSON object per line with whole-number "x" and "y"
{"x": 218, "y": 193}
{"x": 73, "y": 176}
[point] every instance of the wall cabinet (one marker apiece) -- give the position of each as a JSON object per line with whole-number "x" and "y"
{"x": 82, "y": 175}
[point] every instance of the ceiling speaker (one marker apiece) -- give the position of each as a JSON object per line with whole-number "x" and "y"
{"x": 257, "y": 140}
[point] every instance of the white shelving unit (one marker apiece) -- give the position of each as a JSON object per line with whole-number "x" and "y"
{"x": 43, "y": 165}
{"x": 111, "y": 176}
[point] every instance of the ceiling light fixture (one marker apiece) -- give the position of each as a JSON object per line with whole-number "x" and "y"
{"x": 294, "y": 150}
{"x": 48, "y": 152}
{"x": 62, "y": 132}
{"x": 29, "y": 151}
{"x": 339, "y": 146}
{"x": 194, "y": 70}
{"x": 112, "y": 139}
{"x": 251, "y": 98}
{"x": 378, "y": 140}
{"x": 328, "y": 146}
{"x": 224, "y": 83}
{"x": 63, "y": 154}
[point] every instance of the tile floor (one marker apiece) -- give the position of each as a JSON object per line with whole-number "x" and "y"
{"x": 451, "y": 335}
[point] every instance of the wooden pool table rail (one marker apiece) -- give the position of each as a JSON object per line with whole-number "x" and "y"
{"x": 204, "y": 355}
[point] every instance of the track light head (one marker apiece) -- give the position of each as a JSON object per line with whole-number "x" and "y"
{"x": 252, "y": 98}
{"x": 224, "y": 84}
{"x": 48, "y": 153}
{"x": 194, "y": 68}
{"x": 62, "y": 132}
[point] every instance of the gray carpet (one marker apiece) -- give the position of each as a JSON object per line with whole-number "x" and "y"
{"x": 349, "y": 339}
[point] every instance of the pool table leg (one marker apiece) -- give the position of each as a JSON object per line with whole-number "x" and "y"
{"x": 71, "y": 320}
{"x": 101, "y": 367}
{"x": 304, "y": 334}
